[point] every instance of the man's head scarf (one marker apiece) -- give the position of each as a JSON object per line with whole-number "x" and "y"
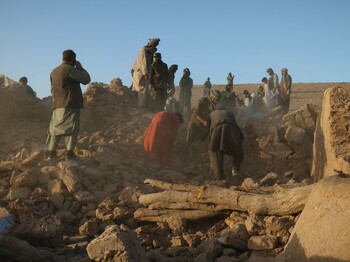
{"x": 214, "y": 93}
{"x": 187, "y": 71}
{"x": 214, "y": 96}
{"x": 153, "y": 42}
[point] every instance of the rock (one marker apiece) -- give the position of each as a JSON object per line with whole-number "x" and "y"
{"x": 74, "y": 239}
{"x": 55, "y": 187}
{"x": 278, "y": 226}
{"x": 19, "y": 193}
{"x": 269, "y": 180}
{"x": 121, "y": 214}
{"x": 25, "y": 179}
{"x": 178, "y": 241}
{"x": 254, "y": 225}
{"x": 295, "y": 134}
{"x": 229, "y": 252}
{"x": 231, "y": 240}
{"x": 89, "y": 228}
{"x": 239, "y": 231}
{"x": 70, "y": 177}
{"x": 14, "y": 249}
{"x": 227, "y": 259}
{"x": 192, "y": 240}
{"x": 262, "y": 242}
{"x": 57, "y": 201}
{"x": 212, "y": 247}
{"x": 121, "y": 241}
{"x": 177, "y": 225}
{"x": 129, "y": 195}
{"x": 40, "y": 231}
{"x": 65, "y": 217}
{"x": 322, "y": 230}
{"x": 75, "y": 207}
{"x": 248, "y": 182}
{"x": 204, "y": 257}
{"x": 100, "y": 196}
{"x": 84, "y": 197}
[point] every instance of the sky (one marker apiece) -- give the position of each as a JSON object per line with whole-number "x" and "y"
{"x": 212, "y": 38}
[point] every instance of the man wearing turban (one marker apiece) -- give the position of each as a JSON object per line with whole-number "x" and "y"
{"x": 141, "y": 71}
{"x": 285, "y": 90}
{"x": 198, "y": 128}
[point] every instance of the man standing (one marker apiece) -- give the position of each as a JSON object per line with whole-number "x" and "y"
{"x": 67, "y": 100}
{"x": 186, "y": 84}
{"x": 285, "y": 90}
{"x": 170, "y": 104}
{"x": 270, "y": 97}
{"x": 159, "y": 80}
{"x": 141, "y": 71}
{"x": 160, "y": 136}
{"x": 273, "y": 81}
{"x": 228, "y": 98}
{"x": 23, "y": 84}
{"x": 225, "y": 138}
{"x": 230, "y": 78}
{"x": 207, "y": 87}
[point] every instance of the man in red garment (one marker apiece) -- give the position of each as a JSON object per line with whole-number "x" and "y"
{"x": 160, "y": 136}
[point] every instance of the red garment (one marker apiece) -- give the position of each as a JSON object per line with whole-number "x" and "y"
{"x": 160, "y": 136}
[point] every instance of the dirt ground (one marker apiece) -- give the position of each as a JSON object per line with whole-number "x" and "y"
{"x": 113, "y": 167}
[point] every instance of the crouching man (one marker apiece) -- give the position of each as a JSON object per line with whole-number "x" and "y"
{"x": 160, "y": 136}
{"x": 225, "y": 138}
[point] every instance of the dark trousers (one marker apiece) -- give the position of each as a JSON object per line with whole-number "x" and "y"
{"x": 160, "y": 99}
{"x": 217, "y": 164}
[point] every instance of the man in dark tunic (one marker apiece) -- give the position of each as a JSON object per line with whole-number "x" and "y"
{"x": 225, "y": 138}
{"x": 159, "y": 80}
{"x": 23, "y": 84}
{"x": 186, "y": 84}
{"x": 197, "y": 128}
{"x": 285, "y": 90}
{"x": 67, "y": 100}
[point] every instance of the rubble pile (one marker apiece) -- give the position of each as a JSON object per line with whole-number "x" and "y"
{"x": 77, "y": 210}
{"x": 284, "y": 148}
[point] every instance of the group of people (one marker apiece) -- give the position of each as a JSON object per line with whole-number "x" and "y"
{"x": 272, "y": 93}
{"x": 154, "y": 82}
{"x": 208, "y": 122}
{"x": 218, "y": 117}
{"x": 212, "y": 119}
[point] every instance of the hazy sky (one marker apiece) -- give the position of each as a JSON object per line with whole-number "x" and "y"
{"x": 210, "y": 37}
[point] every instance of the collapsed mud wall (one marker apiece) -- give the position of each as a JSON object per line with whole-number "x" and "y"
{"x": 24, "y": 121}
{"x": 280, "y": 147}
{"x": 331, "y": 151}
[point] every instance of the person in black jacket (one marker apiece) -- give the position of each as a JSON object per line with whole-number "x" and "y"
{"x": 67, "y": 100}
{"x": 225, "y": 138}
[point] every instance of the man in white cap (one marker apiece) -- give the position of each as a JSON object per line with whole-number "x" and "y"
{"x": 285, "y": 90}
{"x": 141, "y": 71}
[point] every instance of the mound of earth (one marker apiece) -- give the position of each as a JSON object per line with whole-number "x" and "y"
{"x": 81, "y": 208}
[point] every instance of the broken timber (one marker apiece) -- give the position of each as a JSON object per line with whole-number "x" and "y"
{"x": 195, "y": 202}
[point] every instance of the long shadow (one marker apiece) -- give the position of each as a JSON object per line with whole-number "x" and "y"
{"x": 295, "y": 252}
